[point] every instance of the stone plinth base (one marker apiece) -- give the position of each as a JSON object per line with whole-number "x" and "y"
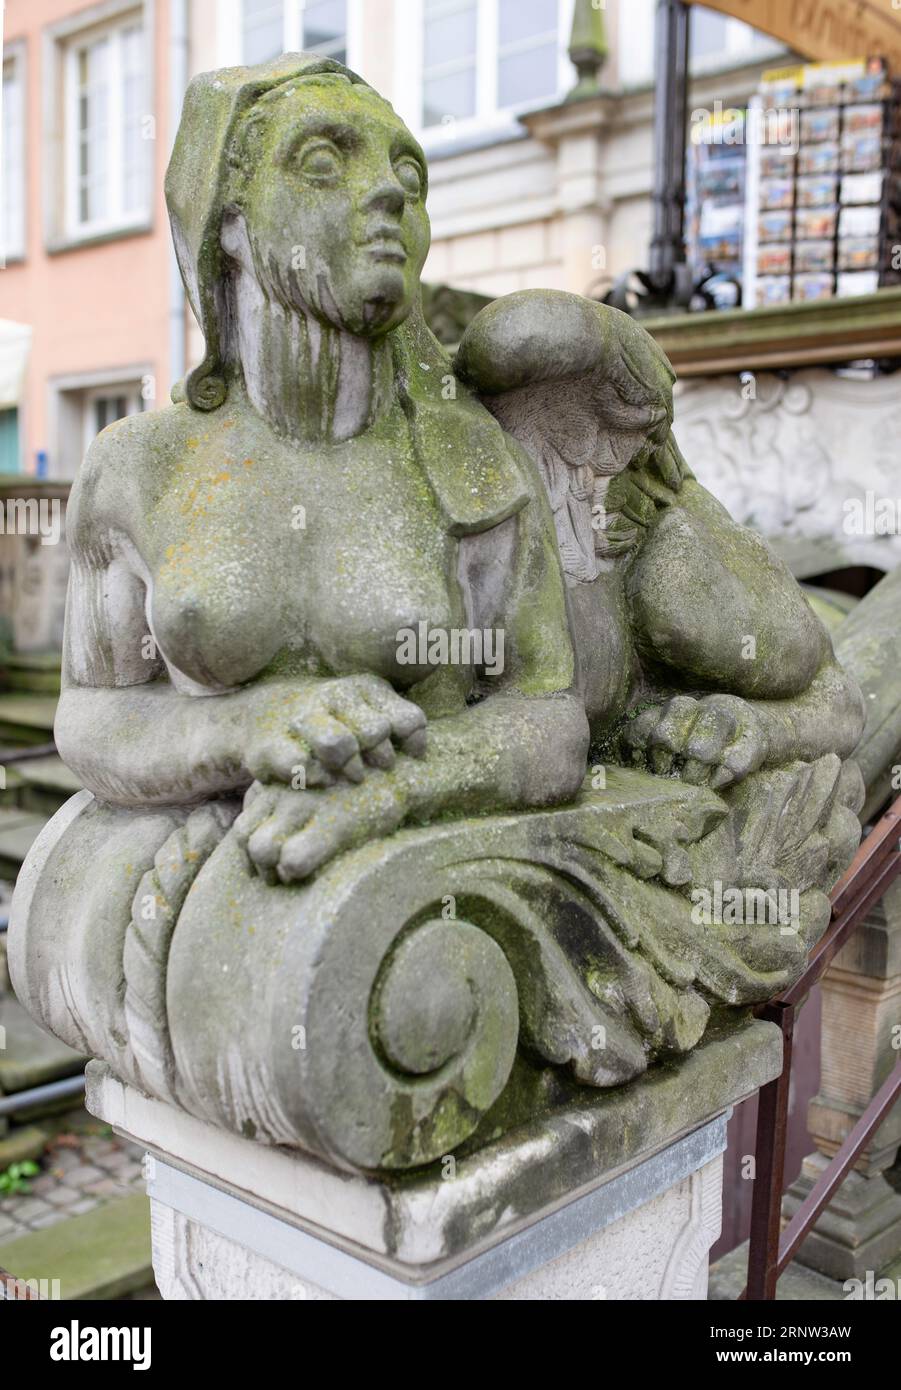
{"x": 210, "y": 1244}
{"x": 858, "y": 1232}
{"x": 619, "y": 1198}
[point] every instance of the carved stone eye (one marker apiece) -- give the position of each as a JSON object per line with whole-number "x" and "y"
{"x": 409, "y": 175}
{"x": 321, "y": 161}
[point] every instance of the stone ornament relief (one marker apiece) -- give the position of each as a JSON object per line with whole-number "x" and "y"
{"x": 797, "y": 460}
{"x": 441, "y": 735}
{"x": 685, "y": 1277}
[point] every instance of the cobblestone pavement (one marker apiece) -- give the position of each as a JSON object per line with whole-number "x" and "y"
{"x": 80, "y": 1169}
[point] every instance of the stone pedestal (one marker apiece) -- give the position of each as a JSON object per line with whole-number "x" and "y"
{"x": 861, "y": 1228}
{"x": 616, "y": 1198}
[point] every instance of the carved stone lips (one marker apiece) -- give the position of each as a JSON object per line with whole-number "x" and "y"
{"x": 386, "y": 244}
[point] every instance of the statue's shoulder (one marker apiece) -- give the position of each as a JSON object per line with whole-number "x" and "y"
{"x": 125, "y": 466}
{"x": 141, "y": 441}
{"x": 703, "y": 585}
{"x": 696, "y": 536}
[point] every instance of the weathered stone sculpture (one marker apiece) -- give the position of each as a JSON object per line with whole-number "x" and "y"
{"x": 507, "y": 695}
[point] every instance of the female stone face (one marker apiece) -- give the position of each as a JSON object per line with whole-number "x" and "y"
{"x": 335, "y": 207}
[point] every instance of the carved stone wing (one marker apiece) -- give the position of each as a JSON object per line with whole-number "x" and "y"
{"x": 589, "y": 396}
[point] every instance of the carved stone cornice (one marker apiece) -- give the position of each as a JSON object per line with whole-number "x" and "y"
{"x": 788, "y": 335}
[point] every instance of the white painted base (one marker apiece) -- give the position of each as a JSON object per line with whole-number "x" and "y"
{"x": 234, "y": 1219}
{"x": 659, "y": 1251}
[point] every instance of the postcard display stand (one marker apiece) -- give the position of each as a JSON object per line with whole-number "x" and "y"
{"x": 823, "y": 187}
{"x": 715, "y": 202}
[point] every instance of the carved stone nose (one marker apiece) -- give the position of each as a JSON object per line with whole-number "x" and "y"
{"x": 388, "y": 197}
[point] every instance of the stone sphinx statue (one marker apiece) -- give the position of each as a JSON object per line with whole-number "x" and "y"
{"x": 426, "y": 710}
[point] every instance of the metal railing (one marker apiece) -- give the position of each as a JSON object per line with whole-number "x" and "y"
{"x": 17, "y": 1289}
{"x": 37, "y": 1096}
{"x": 875, "y": 866}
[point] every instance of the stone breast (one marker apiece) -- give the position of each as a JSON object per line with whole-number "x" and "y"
{"x": 327, "y": 556}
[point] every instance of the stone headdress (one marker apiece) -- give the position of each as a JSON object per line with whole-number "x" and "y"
{"x": 452, "y": 443}
{"x": 197, "y": 182}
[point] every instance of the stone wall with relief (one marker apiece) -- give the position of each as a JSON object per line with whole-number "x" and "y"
{"x": 811, "y": 460}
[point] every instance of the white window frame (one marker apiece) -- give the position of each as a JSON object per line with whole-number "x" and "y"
{"x": 69, "y": 397}
{"x": 59, "y": 232}
{"x": 230, "y": 31}
{"x": 489, "y": 119}
{"x": 15, "y": 248}
{"x": 117, "y": 218}
{"x": 130, "y": 388}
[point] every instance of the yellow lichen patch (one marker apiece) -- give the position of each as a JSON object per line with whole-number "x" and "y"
{"x": 180, "y": 557}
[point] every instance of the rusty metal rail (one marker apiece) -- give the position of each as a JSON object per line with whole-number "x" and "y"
{"x": 875, "y": 866}
{"x": 17, "y": 1289}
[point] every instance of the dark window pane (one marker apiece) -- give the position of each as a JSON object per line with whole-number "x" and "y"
{"x": 9, "y": 441}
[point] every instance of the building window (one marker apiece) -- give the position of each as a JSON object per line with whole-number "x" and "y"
{"x": 271, "y": 27}
{"x": 483, "y": 59}
{"x": 102, "y": 405}
{"x": 107, "y": 130}
{"x": 12, "y": 187}
{"x": 527, "y": 51}
{"x": 716, "y": 42}
{"x": 709, "y": 35}
{"x": 9, "y": 440}
{"x": 81, "y": 406}
{"x": 449, "y": 60}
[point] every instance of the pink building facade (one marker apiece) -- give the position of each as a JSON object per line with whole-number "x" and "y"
{"x": 88, "y": 123}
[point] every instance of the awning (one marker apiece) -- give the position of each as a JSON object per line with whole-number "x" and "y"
{"x": 825, "y": 30}
{"x": 15, "y": 341}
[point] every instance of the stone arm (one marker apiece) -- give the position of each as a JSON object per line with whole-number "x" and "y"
{"x": 525, "y": 745}
{"x": 718, "y": 615}
{"x": 525, "y": 742}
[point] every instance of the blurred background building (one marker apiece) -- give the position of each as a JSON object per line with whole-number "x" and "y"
{"x": 527, "y": 189}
